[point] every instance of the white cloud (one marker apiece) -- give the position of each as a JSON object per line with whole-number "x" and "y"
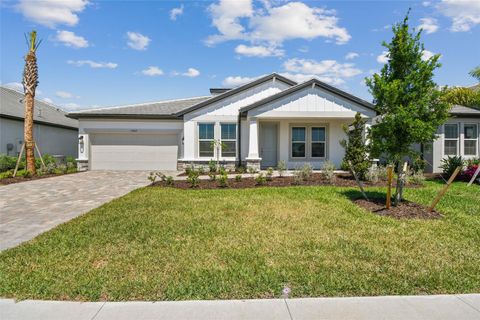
{"x": 258, "y": 51}
{"x": 427, "y": 55}
{"x": 191, "y": 72}
{"x": 63, "y": 94}
{"x": 137, "y": 40}
{"x": 17, "y": 86}
{"x": 325, "y": 68}
{"x": 175, "y": 12}
{"x": 465, "y": 14}
{"x": 48, "y": 100}
{"x": 70, "y": 39}
{"x": 383, "y": 58}
{"x": 52, "y": 12}
{"x": 93, "y": 64}
{"x": 70, "y": 106}
{"x": 303, "y": 49}
{"x": 152, "y": 71}
{"x": 235, "y": 81}
{"x": 429, "y": 25}
{"x": 268, "y": 27}
{"x": 426, "y": 3}
{"x": 351, "y": 56}
{"x": 300, "y": 77}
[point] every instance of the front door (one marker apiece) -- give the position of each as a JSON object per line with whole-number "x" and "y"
{"x": 268, "y": 144}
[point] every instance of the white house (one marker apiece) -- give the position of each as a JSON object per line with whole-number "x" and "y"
{"x": 260, "y": 123}
{"x": 53, "y": 132}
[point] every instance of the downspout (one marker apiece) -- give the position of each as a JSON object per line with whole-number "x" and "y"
{"x": 239, "y": 144}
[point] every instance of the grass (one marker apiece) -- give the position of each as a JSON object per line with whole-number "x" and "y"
{"x": 170, "y": 244}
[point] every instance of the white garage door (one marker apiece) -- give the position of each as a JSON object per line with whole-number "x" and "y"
{"x": 131, "y": 151}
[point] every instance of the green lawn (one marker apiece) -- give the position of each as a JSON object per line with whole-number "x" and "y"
{"x": 170, "y": 244}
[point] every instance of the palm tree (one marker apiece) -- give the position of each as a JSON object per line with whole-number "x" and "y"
{"x": 476, "y": 73}
{"x": 30, "y": 82}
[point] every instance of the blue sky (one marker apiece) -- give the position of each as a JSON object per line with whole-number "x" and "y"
{"x": 101, "y": 53}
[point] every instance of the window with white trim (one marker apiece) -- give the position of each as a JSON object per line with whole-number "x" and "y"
{"x": 206, "y": 135}
{"x": 318, "y": 142}
{"x": 298, "y": 142}
{"x": 451, "y": 139}
{"x": 229, "y": 139}
{"x": 470, "y": 139}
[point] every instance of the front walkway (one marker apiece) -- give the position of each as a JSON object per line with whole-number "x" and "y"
{"x": 30, "y": 208}
{"x": 441, "y": 307}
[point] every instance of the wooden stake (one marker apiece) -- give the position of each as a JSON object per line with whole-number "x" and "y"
{"x": 358, "y": 180}
{"x": 474, "y": 176}
{"x": 444, "y": 189}
{"x": 389, "y": 186}
{"x": 18, "y": 160}
{"x": 41, "y": 158}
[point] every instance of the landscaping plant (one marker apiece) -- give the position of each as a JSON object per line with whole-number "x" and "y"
{"x": 238, "y": 178}
{"x": 356, "y": 150}
{"x": 306, "y": 171}
{"x": 212, "y": 166}
{"x": 260, "y": 179}
{"x": 281, "y": 168}
{"x": 449, "y": 164}
{"x": 193, "y": 178}
{"x": 328, "y": 170}
{"x": 169, "y": 181}
{"x": 269, "y": 174}
{"x": 410, "y": 107}
{"x": 223, "y": 180}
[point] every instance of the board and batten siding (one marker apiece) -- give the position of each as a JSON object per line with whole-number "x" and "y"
{"x": 225, "y": 110}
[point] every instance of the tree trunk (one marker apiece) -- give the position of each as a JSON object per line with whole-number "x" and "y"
{"x": 28, "y": 134}
{"x": 399, "y": 187}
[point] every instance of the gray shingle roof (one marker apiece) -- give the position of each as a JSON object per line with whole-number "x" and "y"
{"x": 161, "y": 109}
{"x": 458, "y": 110}
{"x": 11, "y": 106}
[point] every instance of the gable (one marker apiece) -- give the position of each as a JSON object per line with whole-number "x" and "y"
{"x": 230, "y": 104}
{"x": 310, "y": 101}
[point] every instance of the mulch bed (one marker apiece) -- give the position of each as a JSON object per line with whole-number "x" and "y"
{"x": 6, "y": 181}
{"x": 341, "y": 180}
{"x": 406, "y": 209}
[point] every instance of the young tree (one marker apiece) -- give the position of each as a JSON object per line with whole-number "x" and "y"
{"x": 30, "y": 82}
{"x": 409, "y": 106}
{"x": 355, "y": 147}
{"x": 476, "y": 73}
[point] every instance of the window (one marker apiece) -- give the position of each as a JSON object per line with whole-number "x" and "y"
{"x": 318, "y": 142}
{"x": 470, "y": 138}
{"x": 298, "y": 142}
{"x": 229, "y": 139}
{"x": 205, "y": 139}
{"x": 451, "y": 139}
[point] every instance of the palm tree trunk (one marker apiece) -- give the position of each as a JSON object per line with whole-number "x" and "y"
{"x": 28, "y": 133}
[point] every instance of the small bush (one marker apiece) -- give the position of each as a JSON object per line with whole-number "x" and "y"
{"x": 212, "y": 166}
{"x": 269, "y": 174}
{"x": 153, "y": 176}
{"x": 472, "y": 166}
{"x": 260, "y": 179}
{"x": 252, "y": 170}
{"x": 24, "y": 173}
{"x": 7, "y": 162}
{"x": 169, "y": 181}
{"x": 281, "y": 168}
{"x": 297, "y": 177}
{"x": 201, "y": 170}
{"x": 306, "y": 171}
{"x": 223, "y": 181}
{"x": 449, "y": 165}
{"x": 193, "y": 178}
{"x": 6, "y": 174}
{"x": 238, "y": 178}
{"x": 222, "y": 170}
{"x": 240, "y": 169}
{"x": 416, "y": 178}
{"x": 212, "y": 176}
{"x": 188, "y": 169}
{"x": 328, "y": 169}
{"x": 373, "y": 174}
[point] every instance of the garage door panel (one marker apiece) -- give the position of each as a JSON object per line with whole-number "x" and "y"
{"x": 134, "y": 152}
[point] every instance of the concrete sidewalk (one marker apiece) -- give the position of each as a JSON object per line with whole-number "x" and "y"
{"x": 457, "y": 307}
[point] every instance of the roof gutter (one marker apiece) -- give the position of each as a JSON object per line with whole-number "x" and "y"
{"x": 6, "y": 116}
{"x": 123, "y": 116}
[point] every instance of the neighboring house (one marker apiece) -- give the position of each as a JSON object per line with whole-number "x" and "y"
{"x": 459, "y": 136}
{"x": 260, "y": 123}
{"x": 53, "y": 132}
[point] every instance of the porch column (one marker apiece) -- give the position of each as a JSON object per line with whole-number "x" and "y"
{"x": 253, "y": 160}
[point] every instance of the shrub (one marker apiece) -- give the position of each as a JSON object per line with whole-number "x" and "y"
{"x": 153, "y": 176}
{"x": 240, "y": 169}
{"x": 212, "y": 166}
{"x": 193, "y": 178}
{"x": 201, "y": 170}
{"x": 24, "y": 173}
{"x": 213, "y": 176}
{"x": 297, "y": 177}
{"x": 416, "y": 178}
{"x": 6, "y": 174}
{"x": 7, "y": 162}
{"x": 472, "y": 166}
{"x": 60, "y": 169}
{"x": 260, "y": 179}
{"x": 269, "y": 174}
{"x": 281, "y": 167}
{"x": 449, "y": 165}
{"x": 328, "y": 169}
{"x": 372, "y": 174}
{"x": 355, "y": 147}
{"x": 382, "y": 173}
{"x": 238, "y": 177}
{"x": 306, "y": 171}
{"x": 169, "y": 181}
{"x": 223, "y": 180}
{"x": 222, "y": 170}
{"x": 188, "y": 169}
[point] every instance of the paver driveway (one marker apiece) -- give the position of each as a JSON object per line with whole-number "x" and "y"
{"x": 30, "y": 208}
